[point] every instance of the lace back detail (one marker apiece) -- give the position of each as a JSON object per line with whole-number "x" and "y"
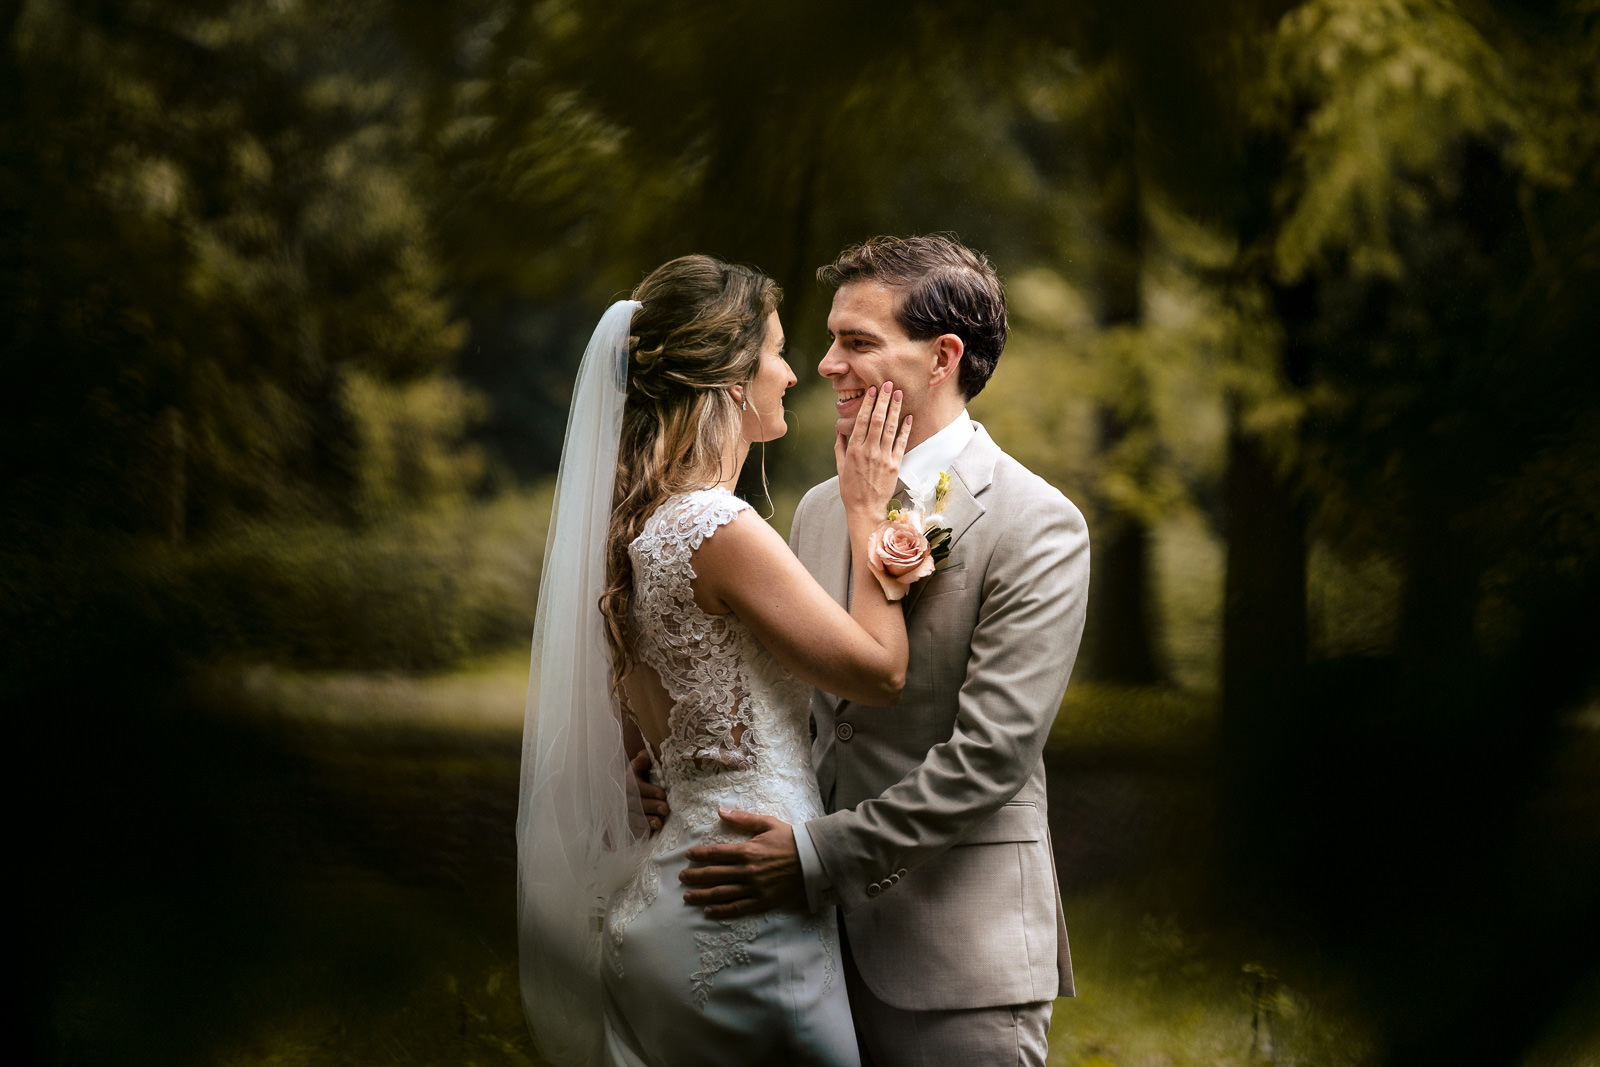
{"x": 737, "y": 734}
{"x": 697, "y": 655}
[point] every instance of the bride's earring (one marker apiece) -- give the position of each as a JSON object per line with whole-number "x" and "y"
{"x": 744, "y": 405}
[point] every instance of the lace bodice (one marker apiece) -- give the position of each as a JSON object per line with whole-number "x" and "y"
{"x": 738, "y": 719}
{"x": 737, "y": 734}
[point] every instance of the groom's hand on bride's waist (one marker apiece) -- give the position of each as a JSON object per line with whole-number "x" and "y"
{"x": 652, "y": 798}
{"x": 746, "y": 877}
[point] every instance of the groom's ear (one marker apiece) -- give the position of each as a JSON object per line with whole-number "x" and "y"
{"x": 946, "y": 358}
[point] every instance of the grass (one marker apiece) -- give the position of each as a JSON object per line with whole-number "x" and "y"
{"x": 1095, "y": 714}
{"x": 335, "y": 884}
{"x": 486, "y": 693}
{"x": 356, "y": 903}
{"x": 1154, "y": 992}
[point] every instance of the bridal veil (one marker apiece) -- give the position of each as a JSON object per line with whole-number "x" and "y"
{"x": 580, "y": 828}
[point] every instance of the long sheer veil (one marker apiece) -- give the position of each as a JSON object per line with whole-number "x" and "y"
{"x": 580, "y": 828}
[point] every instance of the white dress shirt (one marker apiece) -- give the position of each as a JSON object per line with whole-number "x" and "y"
{"x": 921, "y": 467}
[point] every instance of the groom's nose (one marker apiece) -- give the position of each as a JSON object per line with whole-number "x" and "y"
{"x": 831, "y": 364}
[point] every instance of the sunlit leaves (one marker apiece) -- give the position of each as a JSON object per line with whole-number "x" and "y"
{"x": 409, "y": 439}
{"x": 1380, "y": 96}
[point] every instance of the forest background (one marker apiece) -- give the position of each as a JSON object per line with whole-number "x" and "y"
{"x": 1303, "y": 307}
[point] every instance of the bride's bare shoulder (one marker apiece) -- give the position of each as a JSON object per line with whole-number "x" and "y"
{"x": 745, "y": 549}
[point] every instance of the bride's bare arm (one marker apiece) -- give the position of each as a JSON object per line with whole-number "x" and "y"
{"x": 748, "y": 569}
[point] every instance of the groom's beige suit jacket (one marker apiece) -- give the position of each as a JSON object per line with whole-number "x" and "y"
{"x": 936, "y": 842}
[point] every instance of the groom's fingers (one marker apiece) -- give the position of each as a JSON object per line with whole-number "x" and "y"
{"x": 747, "y": 821}
{"x": 740, "y": 877}
{"x": 713, "y": 863}
{"x": 737, "y": 908}
{"x": 717, "y": 885}
{"x": 652, "y": 798}
{"x": 715, "y": 895}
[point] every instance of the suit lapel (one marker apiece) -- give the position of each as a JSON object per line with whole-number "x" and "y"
{"x": 832, "y": 569}
{"x": 828, "y": 560}
{"x": 970, "y": 475}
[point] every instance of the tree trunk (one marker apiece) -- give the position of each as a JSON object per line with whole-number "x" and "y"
{"x": 1264, "y": 651}
{"x": 1121, "y": 647}
{"x": 1264, "y": 637}
{"x": 10, "y": 13}
{"x": 177, "y": 478}
{"x": 1436, "y": 640}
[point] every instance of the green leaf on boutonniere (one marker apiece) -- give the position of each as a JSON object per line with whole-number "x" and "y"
{"x": 938, "y": 544}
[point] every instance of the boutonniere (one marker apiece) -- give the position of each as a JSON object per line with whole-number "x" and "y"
{"x": 908, "y": 546}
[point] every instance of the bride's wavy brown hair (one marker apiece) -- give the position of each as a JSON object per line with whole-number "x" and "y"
{"x": 699, "y": 332}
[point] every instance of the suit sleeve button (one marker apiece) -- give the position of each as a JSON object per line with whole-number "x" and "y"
{"x": 874, "y": 889}
{"x": 844, "y": 731}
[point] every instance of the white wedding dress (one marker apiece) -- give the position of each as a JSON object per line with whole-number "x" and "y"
{"x": 681, "y": 988}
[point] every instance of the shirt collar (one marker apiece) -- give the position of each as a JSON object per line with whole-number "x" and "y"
{"x": 921, "y": 467}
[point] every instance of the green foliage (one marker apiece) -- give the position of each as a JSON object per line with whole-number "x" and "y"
{"x": 1152, "y": 717}
{"x": 229, "y": 343}
{"x": 1410, "y": 339}
{"x": 1379, "y": 96}
{"x": 1164, "y": 378}
{"x": 1165, "y": 992}
{"x": 215, "y": 228}
{"x": 410, "y": 443}
{"x": 422, "y": 591}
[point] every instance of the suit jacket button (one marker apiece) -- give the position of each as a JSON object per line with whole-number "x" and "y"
{"x": 874, "y": 889}
{"x": 894, "y": 879}
{"x": 844, "y": 731}
{"x": 901, "y": 873}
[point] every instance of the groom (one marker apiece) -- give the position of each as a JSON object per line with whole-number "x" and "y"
{"x": 936, "y": 848}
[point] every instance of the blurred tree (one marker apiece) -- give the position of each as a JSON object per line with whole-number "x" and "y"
{"x": 1419, "y": 360}
{"x": 214, "y": 225}
{"x": 214, "y": 229}
{"x": 586, "y": 145}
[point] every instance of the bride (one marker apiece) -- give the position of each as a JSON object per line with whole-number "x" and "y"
{"x": 673, "y": 619}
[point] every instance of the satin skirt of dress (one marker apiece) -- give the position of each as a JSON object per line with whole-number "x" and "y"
{"x": 682, "y": 989}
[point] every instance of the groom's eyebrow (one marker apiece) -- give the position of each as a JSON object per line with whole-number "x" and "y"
{"x": 848, "y": 331}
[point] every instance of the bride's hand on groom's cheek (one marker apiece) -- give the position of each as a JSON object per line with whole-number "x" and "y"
{"x": 868, "y": 460}
{"x": 652, "y": 798}
{"x": 746, "y": 877}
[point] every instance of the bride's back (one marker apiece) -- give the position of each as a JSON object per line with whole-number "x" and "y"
{"x": 706, "y": 695}
{"x": 664, "y": 628}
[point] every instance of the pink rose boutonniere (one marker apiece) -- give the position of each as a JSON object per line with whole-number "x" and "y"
{"x": 906, "y": 547}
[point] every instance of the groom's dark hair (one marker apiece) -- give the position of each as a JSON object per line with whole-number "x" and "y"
{"x": 945, "y": 287}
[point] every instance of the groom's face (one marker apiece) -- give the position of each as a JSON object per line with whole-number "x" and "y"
{"x": 869, "y": 347}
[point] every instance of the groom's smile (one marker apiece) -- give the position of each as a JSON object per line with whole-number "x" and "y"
{"x": 868, "y": 346}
